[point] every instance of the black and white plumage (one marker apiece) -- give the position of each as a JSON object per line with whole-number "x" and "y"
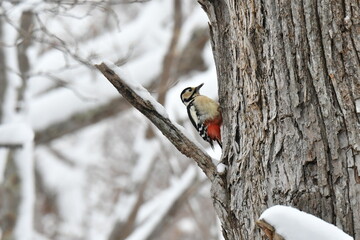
{"x": 204, "y": 113}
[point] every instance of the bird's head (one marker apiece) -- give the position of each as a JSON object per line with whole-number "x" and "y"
{"x": 189, "y": 93}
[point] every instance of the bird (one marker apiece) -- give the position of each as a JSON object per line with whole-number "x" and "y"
{"x": 204, "y": 113}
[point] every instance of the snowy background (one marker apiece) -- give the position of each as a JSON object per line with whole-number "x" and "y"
{"x": 92, "y": 167}
{"x": 76, "y": 160}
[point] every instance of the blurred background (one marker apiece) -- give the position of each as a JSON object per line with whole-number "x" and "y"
{"x": 76, "y": 160}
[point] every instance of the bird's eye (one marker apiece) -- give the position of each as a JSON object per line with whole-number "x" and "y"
{"x": 187, "y": 90}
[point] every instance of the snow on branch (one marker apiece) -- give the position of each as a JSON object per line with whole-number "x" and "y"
{"x": 13, "y": 135}
{"x": 288, "y": 223}
{"x": 141, "y": 99}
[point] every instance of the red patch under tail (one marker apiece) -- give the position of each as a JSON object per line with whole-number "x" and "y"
{"x": 213, "y": 129}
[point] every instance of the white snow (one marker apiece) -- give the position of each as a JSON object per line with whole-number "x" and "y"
{"x": 87, "y": 188}
{"x": 82, "y": 92}
{"x": 16, "y": 128}
{"x": 25, "y": 164}
{"x": 64, "y": 102}
{"x": 139, "y": 90}
{"x": 15, "y": 133}
{"x": 221, "y": 168}
{"x": 357, "y": 104}
{"x": 142, "y": 37}
{"x": 187, "y": 225}
{"x": 69, "y": 181}
{"x": 147, "y": 151}
{"x": 293, "y": 224}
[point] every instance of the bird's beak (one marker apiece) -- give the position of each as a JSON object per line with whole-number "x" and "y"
{"x": 198, "y": 87}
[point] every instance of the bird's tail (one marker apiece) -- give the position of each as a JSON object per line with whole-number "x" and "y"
{"x": 219, "y": 142}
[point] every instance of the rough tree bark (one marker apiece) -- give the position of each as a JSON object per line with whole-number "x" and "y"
{"x": 289, "y": 88}
{"x": 290, "y": 94}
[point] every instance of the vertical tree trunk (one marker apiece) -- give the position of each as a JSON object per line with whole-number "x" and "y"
{"x": 289, "y": 88}
{"x": 3, "y": 78}
{"x": 10, "y": 198}
{"x": 16, "y": 202}
{"x": 9, "y": 186}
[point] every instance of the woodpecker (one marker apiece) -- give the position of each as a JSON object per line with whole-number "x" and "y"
{"x": 204, "y": 114}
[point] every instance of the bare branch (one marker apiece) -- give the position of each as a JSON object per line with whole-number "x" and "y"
{"x": 169, "y": 60}
{"x": 123, "y": 228}
{"x": 175, "y": 207}
{"x": 269, "y": 230}
{"x": 176, "y": 137}
{"x": 177, "y": 195}
{"x": 11, "y": 146}
{"x": 80, "y": 120}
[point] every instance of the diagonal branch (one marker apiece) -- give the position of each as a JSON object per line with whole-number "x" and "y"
{"x": 80, "y": 120}
{"x": 163, "y": 123}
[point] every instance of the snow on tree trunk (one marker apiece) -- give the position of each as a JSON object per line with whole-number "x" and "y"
{"x": 17, "y": 187}
{"x": 3, "y": 79}
{"x": 283, "y": 222}
{"x": 288, "y": 75}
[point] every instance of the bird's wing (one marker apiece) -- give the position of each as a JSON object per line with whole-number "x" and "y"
{"x": 191, "y": 110}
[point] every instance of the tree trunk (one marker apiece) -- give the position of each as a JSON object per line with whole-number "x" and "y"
{"x": 3, "y": 78}
{"x": 289, "y": 89}
{"x": 16, "y": 203}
